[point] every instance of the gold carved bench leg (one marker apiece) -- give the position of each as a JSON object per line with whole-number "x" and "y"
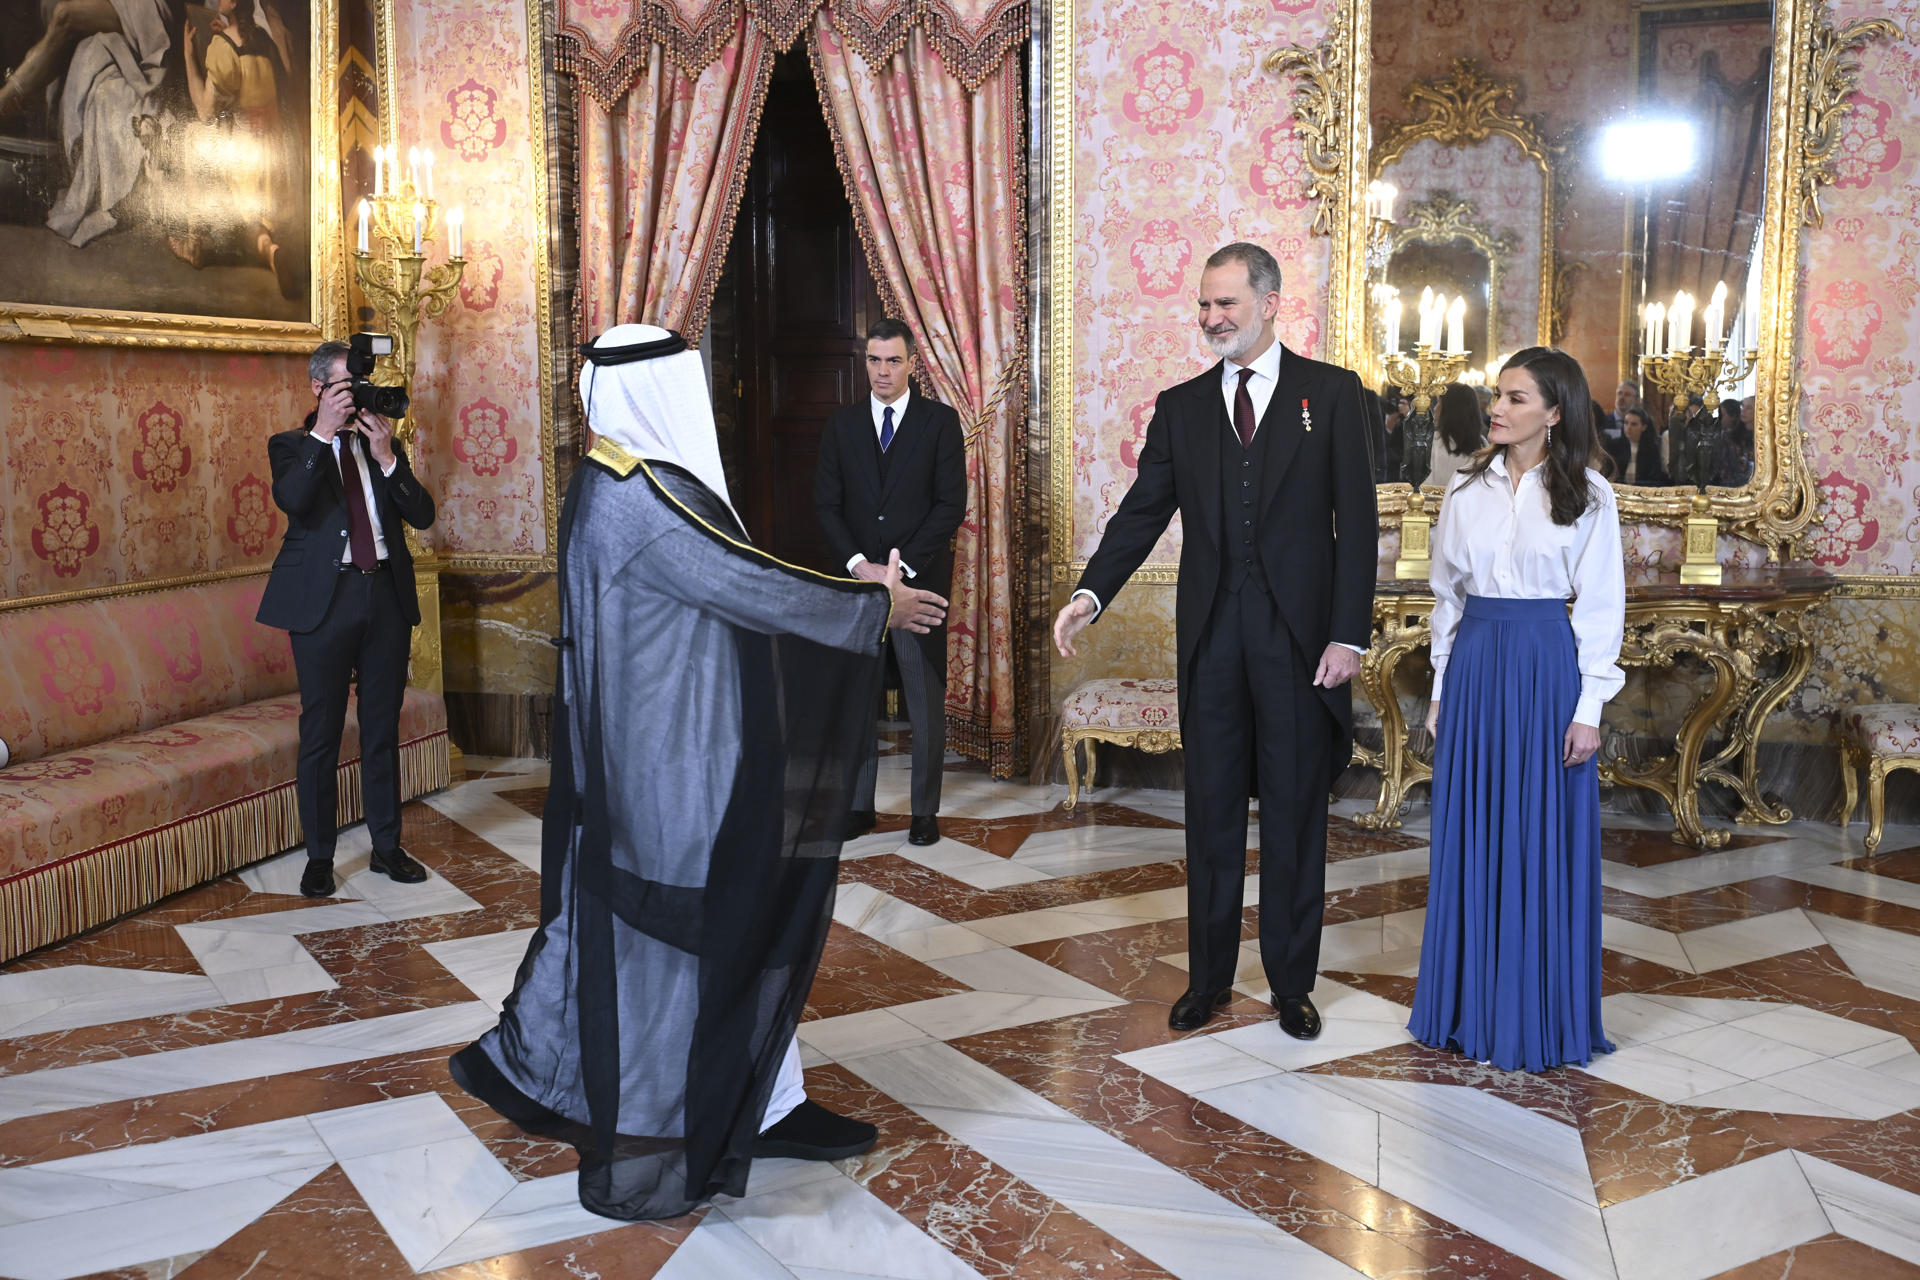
{"x": 1092, "y": 747}
{"x": 1849, "y": 784}
{"x": 1876, "y": 803}
{"x": 1068, "y": 741}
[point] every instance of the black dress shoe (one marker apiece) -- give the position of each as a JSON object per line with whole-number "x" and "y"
{"x": 1298, "y": 1017}
{"x": 317, "y": 880}
{"x": 925, "y": 830}
{"x": 1193, "y": 1009}
{"x": 859, "y": 822}
{"x": 474, "y": 1071}
{"x": 396, "y": 865}
{"x": 811, "y": 1132}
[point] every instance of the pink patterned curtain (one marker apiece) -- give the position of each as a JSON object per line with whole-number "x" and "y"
{"x": 661, "y": 167}
{"x": 935, "y": 168}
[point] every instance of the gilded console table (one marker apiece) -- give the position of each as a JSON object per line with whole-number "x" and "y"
{"x": 1748, "y": 632}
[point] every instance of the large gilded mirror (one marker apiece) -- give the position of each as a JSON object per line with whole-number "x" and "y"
{"x": 1626, "y": 180}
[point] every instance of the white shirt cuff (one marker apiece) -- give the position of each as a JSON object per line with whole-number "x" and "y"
{"x": 1587, "y": 710}
{"x": 856, "y": 562}
{"x": 859, "y": 559}
{"x": 388, "y": 469}
{"x": 1356, "y": 648}
{"x": 1098, "y": 608}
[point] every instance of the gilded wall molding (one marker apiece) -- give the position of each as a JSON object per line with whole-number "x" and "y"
{"x": 1833, "y": 76}
{"x": 1444, "y": 219}
{"x": 134, "y": 588}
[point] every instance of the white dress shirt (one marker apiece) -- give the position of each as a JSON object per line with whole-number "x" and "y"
{"x": 878, "y": 407}
{"x": 365, "y": 462}
{"x": 1495, "y": 541}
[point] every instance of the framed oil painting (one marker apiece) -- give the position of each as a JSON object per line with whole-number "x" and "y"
{"x": 169, "y": 173}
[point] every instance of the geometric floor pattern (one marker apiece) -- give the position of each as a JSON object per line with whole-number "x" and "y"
{"x": 239, "y": 1082}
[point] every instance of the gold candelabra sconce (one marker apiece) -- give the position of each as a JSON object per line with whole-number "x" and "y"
{"x": 1666, "y": 341}
{"x": 402, "y": 220}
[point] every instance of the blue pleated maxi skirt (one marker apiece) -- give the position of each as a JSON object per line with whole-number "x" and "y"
{"x": 1510, "y": 963}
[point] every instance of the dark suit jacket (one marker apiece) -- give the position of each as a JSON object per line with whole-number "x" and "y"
{"x": 1319, "y": 532}
{"x": 1652, "y": 470}
{"x": 307, "y": 486}
{"x": 917, "y": 508}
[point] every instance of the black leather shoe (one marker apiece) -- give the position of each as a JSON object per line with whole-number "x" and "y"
{"x": 1193, "y": 1009}
{"x": 317, "y": 880}
{"x": 859, "y": 822}
{"x": 811, "y": 1132}
{"x": 925, "y": 830}
{"x": 1298, "y": 1017}
{"x": 398, "y": 866}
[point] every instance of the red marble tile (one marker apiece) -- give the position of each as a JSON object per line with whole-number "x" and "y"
{"x": 857, "y": 974}
{"x": 1638, "y": 848}
{"x": 324, "y": 1229}
{"x": 1828, "y": 1258}
{"x": 1124, "y": 961}
{"x": 532, "y": 800}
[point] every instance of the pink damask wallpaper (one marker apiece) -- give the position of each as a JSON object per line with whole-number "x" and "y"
{"x": 122, "y": 465}
{"x": 463, "y": 88}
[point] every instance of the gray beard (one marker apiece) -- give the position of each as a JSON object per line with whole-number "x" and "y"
{"x": 1230, "y": 346}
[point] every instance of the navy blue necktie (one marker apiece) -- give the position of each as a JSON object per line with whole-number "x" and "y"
{"x": 886, "y": 428}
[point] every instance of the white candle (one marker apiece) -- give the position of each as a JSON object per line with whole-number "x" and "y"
{"x": 1716, "y": 314}
{"x": 1393, "y": 326}
{"x": 1388, "y": 194}
{"x": 1457, "y": 326}
{"x": 419, "y": 224}
{"x": 456, "y": 222}
{"x": 1656, "y": 322}
{"x": 1426, "y": 318}
{"x": 363, "y": 226}
{"x": 426, "y": 162}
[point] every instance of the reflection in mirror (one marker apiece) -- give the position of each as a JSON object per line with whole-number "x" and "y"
{"x": 1620, "y": 151}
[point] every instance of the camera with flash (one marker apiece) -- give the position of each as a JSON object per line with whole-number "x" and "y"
{"x": 362, "y": 350}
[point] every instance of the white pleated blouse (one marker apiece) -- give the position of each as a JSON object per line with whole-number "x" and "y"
{"x": 1494, "y": 540}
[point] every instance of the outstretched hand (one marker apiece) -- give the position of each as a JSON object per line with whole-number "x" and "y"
{"x": 1071, "y": 621}
{"x": 913, "y": 610}
{"x": 1338, "y": 665}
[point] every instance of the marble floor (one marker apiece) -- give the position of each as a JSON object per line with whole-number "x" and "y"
{"x": 240, "y": 1083}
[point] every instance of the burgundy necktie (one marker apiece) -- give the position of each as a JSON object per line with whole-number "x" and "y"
{"x": 359, "y": 527}
{"x": 1243, "y": 421}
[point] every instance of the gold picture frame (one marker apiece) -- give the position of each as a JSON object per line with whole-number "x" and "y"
{"x": 44, "y": 321}
{"x": 1812, "y": 75}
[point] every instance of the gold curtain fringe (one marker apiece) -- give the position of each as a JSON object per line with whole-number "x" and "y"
{"x": 969, "y": 58}
{"x": 608, "y": 76}
{"x": 46, "y": 904}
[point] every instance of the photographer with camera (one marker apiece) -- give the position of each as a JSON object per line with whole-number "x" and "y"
{"x": 343, "y": 587}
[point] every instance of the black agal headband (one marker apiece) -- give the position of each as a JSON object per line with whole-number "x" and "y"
{"x": 671, "y": 345}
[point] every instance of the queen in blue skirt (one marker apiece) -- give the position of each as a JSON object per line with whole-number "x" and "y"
{"x": 1529, "y": 592}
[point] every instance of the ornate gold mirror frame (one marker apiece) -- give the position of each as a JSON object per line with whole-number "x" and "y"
{"x": 1813, "y": 75}
{"x": 1444, "y": 220}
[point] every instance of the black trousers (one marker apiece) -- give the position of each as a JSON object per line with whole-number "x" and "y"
{"x": 1254, "y": 722}
{"x": 363, "y": 639}
{"x": 923, "y": 688}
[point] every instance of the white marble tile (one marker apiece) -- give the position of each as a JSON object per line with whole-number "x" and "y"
{"x": 938, "y": 942}
{"x": 225, "y": 951}
{"x": 1710, "y": 1009}
{"x": 413, "y": 1121}
{"x": 542, "y": 1211}
{"x": 1158, "y": 802}
{"x": 203, "y": 1159}
{"x": 105, "y": 995}
{"x": 1823, "y": 1033}
{"x": 1196, "y": 1064}
{"x": 868, "y": 910}
{"x": 872, "y": 845}
{"x": 1869, "y": 1094}
{"x": 1404, "y": 928}
{"x": 939, "y": 1075}
{"x": 717, "y": 1248}
{"x": 1741, "y": 1052}
{"x": 1644, "y": 942}
{"x": 434, "y": 896}
{"x": 92, "y": 1083}
{"x": 973, "y": 1013}
{"x": 1863, "y": 884}
{"x": 1710, "y": 1224}
{"x": 1882, "y": 958}
{"x": 502, "y": 824}
{"x": 777, "y": 1175}
{"x": 428, "y": 1196}
{"x": 127, "y": 1234}
{"x": 1651, "y": 1070}
{"x": 1080, "y": 851}
{"x": 1758, "y": 1095}
{"x": 281, "y": 874}
{"x": 1301, "y": 1111}
{"x": 1211, "y": 1247}
{"x": 486, "y": 963}
{"x": 1016, "y": 973}
{"x": 1344, "y": 1038}
{"x": 1636, "y": 1019}
{"x": 854, "y": 1035}
{"x": 838, "y": 1225}
{"x": 973, "y": 867}
{"x": 1868, "y": 1210}
{"x": 984, "y": 798}
{"x": 1378, "y": 868}
{"x": 273, "y": 982}
{"x": 1895, "y": 1058}
{"x": 1538, "y": 1148}
{"x": 301, "y": 920}
{"x": 1737, "y": 942}
{"x": 1562, "y": 1233}
{"x": 1049, "y": 923}
{"x": 32, "y": 1192}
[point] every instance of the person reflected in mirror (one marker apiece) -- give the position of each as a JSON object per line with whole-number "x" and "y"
{"x": 1456, "y": 436}
{"x": 1394, "y": 407}
{"x": 1625, "y": 396}
{"x": 1732, "y": 463}
{"x": 1510, "y": 960}
{"x": 1636, "y": 454}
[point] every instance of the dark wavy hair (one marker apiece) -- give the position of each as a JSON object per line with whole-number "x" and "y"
{"x": 1459, "y": 421}
{"x": 1563, "y": 386}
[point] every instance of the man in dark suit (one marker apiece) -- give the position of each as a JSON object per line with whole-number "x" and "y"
{"x": 1636, "y": 450}
{"x": 1265, "y": 457}
{"x": 893, "y": 474}
{"x": 343, "y": 587}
